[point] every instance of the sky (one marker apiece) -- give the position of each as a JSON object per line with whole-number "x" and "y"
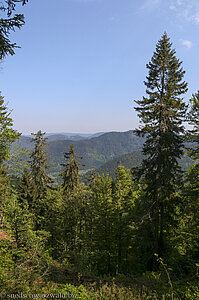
{"x": 82, "y": 63}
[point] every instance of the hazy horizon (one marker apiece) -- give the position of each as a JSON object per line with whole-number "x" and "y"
{"x": 78, "y": 133}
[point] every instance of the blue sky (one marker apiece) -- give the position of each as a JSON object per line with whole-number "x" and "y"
{"x": 83, "y": 62}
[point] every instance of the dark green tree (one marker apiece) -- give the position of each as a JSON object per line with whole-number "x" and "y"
{"x": 70, "y": 174}
{"x": 125, "y": 194}
{"x": 38, "y": 164}
{"x": 40, "y": 181}
{"x": 193, "y": 119}
{"x": 24, "y": 255}
{"x": 10, "y": 22}
{"x": 162, "y": 112}
{"x": 26, "y": 189}
{"x": 4, "y": 188}
{"x": 72, "y": 225}
{"x": 99, "y": 226}
{"x": 73, "y": 207}
{"x": 53, "y": 213}
{"x": 7, "y": 134}
{"x": 190, "y": 220}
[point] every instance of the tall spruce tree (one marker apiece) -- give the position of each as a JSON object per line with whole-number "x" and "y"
{"x": 38, "y": 164}
{"x": 161, "y": 112}
{"x": 70, "y": 174}
{"x": 7, "y": 136}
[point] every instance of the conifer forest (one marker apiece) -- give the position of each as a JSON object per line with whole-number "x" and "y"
{"x": 134, "y": 235}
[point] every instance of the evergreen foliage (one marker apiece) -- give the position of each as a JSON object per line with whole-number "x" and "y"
{"x": 26, "y": 258}
{"x": 38, "y": 164}
{"x": 26, "y": 189}
{"x": 38, "y": 181}
{"x": 7, "y": 134}
{"x": 124, "y": 200}
{"x": 8, "y": 24}
{"x": 4, "y": 189}
{"x": 100, "y": 231}
{"x": 70, "y": 174}
{"x": 52, "y": 220}
{"x": 162, "y": 112}
{"x": 191, "y": 213}
{"x": 190, "y": 190}
{"x": 193, "y": 119}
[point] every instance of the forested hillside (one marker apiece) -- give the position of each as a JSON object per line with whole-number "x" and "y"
{"x": 95, "y": 151}
{"x": 133, "y": 160}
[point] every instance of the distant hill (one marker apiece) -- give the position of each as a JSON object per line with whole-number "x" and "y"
{"x": 132, "y": 160}
{"x": 95, "y": 151}
{"x": 129, "y": 161}
{"x": 68, "y": 136}
{"x": 24, "y": 141}
{"x": 62, "y": 137}
{"x": 71, "y": 136}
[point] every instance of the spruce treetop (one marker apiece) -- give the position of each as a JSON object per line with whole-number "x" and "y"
{"x": 164, "y": 87}
{"x": 70, "y": 174}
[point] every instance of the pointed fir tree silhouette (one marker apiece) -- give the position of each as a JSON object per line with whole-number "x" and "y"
{"x": 70, "y": 174}
{"x": 162, "y": 112}
{"x": 38, "y": 164}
